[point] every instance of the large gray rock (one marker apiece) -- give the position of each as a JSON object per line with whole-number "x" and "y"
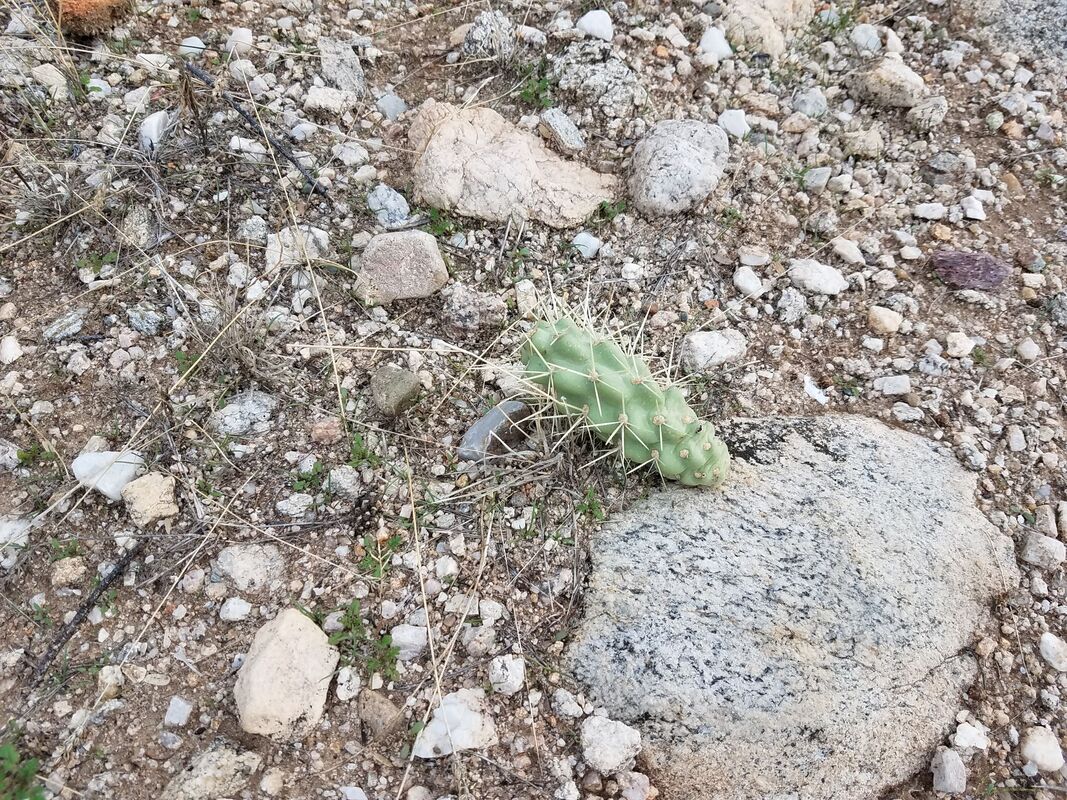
{"x": 596, "y": 78}
{"x": 677, "y": 165}
{"x": 804, "y": 632}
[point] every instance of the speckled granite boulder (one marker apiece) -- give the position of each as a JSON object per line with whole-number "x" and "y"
{"x": 804, "y": 632}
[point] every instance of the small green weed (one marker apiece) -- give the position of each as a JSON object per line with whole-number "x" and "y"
{"x": 186, "y": 362}
{"x": 848, "y": 386}
{"x": 63, "y": 548}
{"x": 41, "y": 616}
{"x": 441, "y": 225}
{"x": 355, "y": 646}
{"x": 95, "y": 262}
{"x": 18, "y": 775}
{"x": 310, "y": 480}
{"x": 360, "y": 455}
{"x": 382, "y": 657}
{"x": 379, "y": 555}
{"x": 730, "y": 216}
{"x": 34, "y": 455}
{"x": 980, "y": 357}
{"x": 591, "y": 506}
{"x": 606, "y": 212}
{"x": 536, "y": 87}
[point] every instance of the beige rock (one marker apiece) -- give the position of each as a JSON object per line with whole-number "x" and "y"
{"x": 399, "y": 266}
{"x": 765, "y": 25}
{"x": 281, "y": 688}
{"x": 891, "y": 82}
{"x": 883, "y": 320}
{"x": 474, "y": 162}
{"x": 220, "y": 771}
{"x": 150, "y": 499}
{"x": 68, "y": 571}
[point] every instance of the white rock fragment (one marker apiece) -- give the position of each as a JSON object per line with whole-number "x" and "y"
{"x": 410, "y": 641}
{"x": 958, "y": 345}
{"x": 609, "y": 746}
{"x": 812, "y": 276}
{"x": 245, "y": 413}
{"x": 235, "y": 609}
{"x": 295, "y": 246}
{"x": 865, "y": 37}
{"x": 596, "y": 23}
{"x": 507, "y": 674}
{"x": 676, "y": 165}
{"x": 1042, "y": 551}
{"x": 1040, "y": 747}
{"x": 251, "y": 567}
{"x": 891, "y": 83}
{"x": 327, "y": 100}
{"x": 950, "y": 775}
{"x": 705, "y": 350}
{"x": 752, "y": 256}
{"x": 970, "y": 738}
{"x": 191, "y": 46}
{"x": 178, "y": 712}
{"x": 152, "y": 131}
{"x": 1028, "y": 350}
{"x": 972, "y": 208}
{"x": 847, "y": 250}
{"x": 239, "y": 42}
{"x": 893, "y": 385}
{"x": 586, "y": 244}
{"x": 461, "y": 722}
{"x": 747, "y": 282}
{"x": 10, "y": 350}
{"x": 107, "y": 471}
{"x": 733, "y": 121}
{"x": 1054, "y": 651}
{"x": 713, "y": 43}
{"x": 932, "y": 211}
{"x": 282, "y": 685}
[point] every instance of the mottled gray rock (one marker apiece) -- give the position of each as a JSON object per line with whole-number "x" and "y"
{"x": 295, "y": 246}
{"x": 251, "y": 567}
{"x": 491, "y": 35}
{"x": 220, "y": 771}
{"x": 964, "y": 270}
{"x": 470, "y": 310}
{"x": 1057, "y": 309}
{"x": 245, "y": 413}
{"x": 394, "y": 389}
{"x": 928, "y": 114}
{"x": 676, "y": 165}
{"x": 590, "y": 71}
{"x": 819, "y": 608}
{"x": 559, "y": 129}
{"x": 341, "y": 67}
{"x": 144, "y": 318}
{"x": 705, "y": 350}
{"x": 389, "y": 206}
{"x": 66, "y": 326}
{"x": 399, "y": 266}
{"x": 891, "y": 82}
{"x": 495, "y": 432}
{"x": 765, "y": 26}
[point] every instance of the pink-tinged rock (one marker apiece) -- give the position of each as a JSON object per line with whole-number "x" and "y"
{"x": 969, "y": 270}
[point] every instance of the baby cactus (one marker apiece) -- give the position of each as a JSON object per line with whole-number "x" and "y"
{"x": 588, "y": 376}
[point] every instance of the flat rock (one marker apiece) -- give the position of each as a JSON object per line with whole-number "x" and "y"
{"x": 819, "y": 608}
{"x": 592, "y": 74}
{"x": 251, "y": 567}
{"x": 494, "y": 432}
{"x": 399, "y": 266}
{"x": 460, "y": 722}
{"x": 676, "y": 165}
{"x": 964, "y": 270}
{"x": 473, "y": 162}
{"x": 706, "y": 350}
{"x": 245, "y": 413}
{"x": 341, "y": 66}
{"x": 394, "y": 389}
{"x": 281, "y": 687}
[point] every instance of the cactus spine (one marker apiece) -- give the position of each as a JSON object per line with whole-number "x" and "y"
{"x": 590, "y": 377}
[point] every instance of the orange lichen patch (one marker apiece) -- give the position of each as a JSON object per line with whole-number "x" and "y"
{"x": 85, "y": 17}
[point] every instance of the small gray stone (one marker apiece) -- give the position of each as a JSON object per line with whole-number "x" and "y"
{"x": 471, "y": 310}
{"x": 813, "y": 276}
{"x": 178, "y": 712}
{"x": 145, "y": 319}
{"x": 792, "y": 306}
{"x": 235, "y": 609}
{"x": 245, "y": 413}
{"x": 704, "y": 350}
{"x": 586, "y": 244}
{"x": 66, "y": 326}
{"x": 341, "y": 67}
{"x": 491, "y": 35}
{"x": 558, "y": 128}
{"x": 220, "y": 771}
{"x": 394, "y": 389}
{"x": 815, "y": 180}
{"x": 676, "y": 165}
{"x": 389, "y": 206}
{"x": 391, "y": 106}
{"x": 399, "y": 266}
{"x": 950, "y": 775}
{"x": 494, "y": 432}
{"x": 811, "y": 102}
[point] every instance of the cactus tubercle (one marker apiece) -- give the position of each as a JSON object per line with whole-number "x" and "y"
{"x": 616, "y": 396}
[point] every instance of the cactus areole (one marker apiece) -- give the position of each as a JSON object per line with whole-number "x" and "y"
{"x": 590, "y": 377}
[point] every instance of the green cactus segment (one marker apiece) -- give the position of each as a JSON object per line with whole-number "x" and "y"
{"x": 590, "y": 377}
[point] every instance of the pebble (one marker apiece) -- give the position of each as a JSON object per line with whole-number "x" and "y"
{"x": 596, "y": 23}
{"x": 191, "y": 46}
{"x": 932, "y": 211}
{"x": 813, "y": 276}
{"x": 705, "y": 350}
{"x": 969, "y": 270}
{"x": 752, "y": 256}
{"x": 884, "y": 320}
{"x": 1040, "y": 747}
{"x": 734, "y": 123}
{"x": 389, "y": 206}
{"x": 391, "y": 106}
{"x": 609, "y": 746}
{"x": 153, "y": 129}
{"x": 893, "y": 385}
{"x": 950, "y": 775}
{"x": 235, "y": 609}
{"x": 394, "y": 389}
{"x": 557, "y": 127}
{"x": 1042, "y": 551}
{"x": 10, "y": 350}
{"x": 495, "y": 432}
{"x": 713, "y": 43}
{"x": 1027, "y": 350}
{"x": 239, "y": 42}
{"x": 107, "y": 471}
{"x": 959, "y": 345}
{"x": 507, "y": 674}
{"x": 748, "y": 282}
{"x": 586, "y": 244}
{"x": 460, "y": 722}
{"x": 178, "y": 712}
{"x": 1054, "y": 651}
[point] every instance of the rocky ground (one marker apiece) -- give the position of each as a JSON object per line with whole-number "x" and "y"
{"x": 265, "y": 273}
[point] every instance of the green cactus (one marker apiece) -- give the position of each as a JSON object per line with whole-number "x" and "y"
{"x": 589, "y": 376}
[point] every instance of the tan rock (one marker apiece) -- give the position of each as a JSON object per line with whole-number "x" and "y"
{"x": 399, "y": 266}
{"x": 281, "y": 688}
{"x": 883, "y": 320}
{"x": 150, "y": 499}
{"x": 474, "y": 162}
